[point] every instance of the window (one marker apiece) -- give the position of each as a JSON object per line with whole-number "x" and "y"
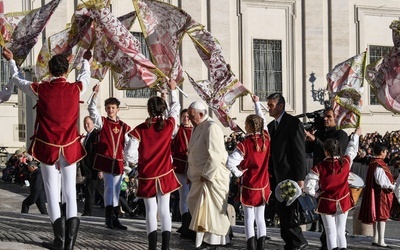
{"x": 376, "y": 53}
{"x": 267, "y": 67}
{"x": 145, "y": 92}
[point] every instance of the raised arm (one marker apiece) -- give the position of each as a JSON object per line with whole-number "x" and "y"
{"x": 175, "y": 106}
{"x": 352, "y": 146}
{"x": 92, "y": 108}
{"x": 84, "y": 73}
{"x": 16, "y": 77}
{"x": 258, "y": 110}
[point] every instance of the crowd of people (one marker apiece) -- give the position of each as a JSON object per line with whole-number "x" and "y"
{"x": 185, "y": 151}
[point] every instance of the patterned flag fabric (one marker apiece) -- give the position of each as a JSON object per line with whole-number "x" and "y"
{"x": 25, "y": 34}
{"x": 80, "y": 37}
{"x": 384, "y": 75}
{"x": 223, "y": 88}
{"x": 121, "y": 53}
{"x": 345, "y": 86}
{"x": 163, "y": 27}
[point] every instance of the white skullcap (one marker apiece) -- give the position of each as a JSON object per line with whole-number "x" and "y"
{"x": 197, "y": 105}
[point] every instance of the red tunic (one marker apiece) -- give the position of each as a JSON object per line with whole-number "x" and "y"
{"x": 155, "y": 170}
{"x": 56, "y": 129}
{"x": 109, "y": 157}
{"x": 179, "y": 149}
{"x": 255, "y": 189}
{"x": 333, "y": 183}
{"x": 376, "y": 202}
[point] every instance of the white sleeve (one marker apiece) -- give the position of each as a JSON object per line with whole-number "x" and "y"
{"x": 311, "y": 184}
{"x": 18, "y": 80}
{"x": 258, "y": 110}
{"x": 131, "y": 150}
{"x": 94, "y": 113}
{"x": 84, "y": 75}
{"x": 352, "y": 148}
{"x": 175, "y": 107}
{"x": 233, "y": 161}
{"x": 382, "y": 180}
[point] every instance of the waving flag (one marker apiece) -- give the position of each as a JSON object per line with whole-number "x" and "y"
{"x": 345, "y": 86}
{"x": 25, "y": 34}
{"x": 384, "y": 75}
{"x": 82, "y": 35}
{"x": 163, "y": 27}
{"x": 223, "y": 88}
{"x": 121, "y": 53}
{"x": 5, "y": 32}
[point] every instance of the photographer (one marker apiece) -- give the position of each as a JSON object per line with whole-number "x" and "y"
{"x": 315, "y": 142}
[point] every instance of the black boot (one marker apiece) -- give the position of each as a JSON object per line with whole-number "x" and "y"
{"x": 251, "y": 243}
{"x": 109, "y": 217}
{"x": 71, "y": 232}
{"x": 165, "y": 240}
{"x": 261, "y": 243}
{"x": 115, "y": 221}
{"x": 59, "y": 235}
{"x": 184, "y": 230}
{"x": 152, "y": 237}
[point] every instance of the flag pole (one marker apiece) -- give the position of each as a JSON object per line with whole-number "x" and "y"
{"x": 180, "y": 90}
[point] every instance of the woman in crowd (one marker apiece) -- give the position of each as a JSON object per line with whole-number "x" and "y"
{"x": 251, "y": 156}
{"x": 378, "y": 195}
{"x": 156, "y": 175}
{"x": 328, "y": 180}
{"x": 179, "y": 155}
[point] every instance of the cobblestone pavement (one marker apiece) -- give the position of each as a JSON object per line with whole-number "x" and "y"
{"x": 28, "y": 231}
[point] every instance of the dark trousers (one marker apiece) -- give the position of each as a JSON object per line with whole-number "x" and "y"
{"x": 90, "y": 192}
{"x": 40, "y": 203}
{"x": 293, "y": 236}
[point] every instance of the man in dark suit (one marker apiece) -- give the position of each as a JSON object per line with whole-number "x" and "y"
{"x": 37, "y": 194}
{"x": 92, "y": 175}
{"x": 288, "y": 162}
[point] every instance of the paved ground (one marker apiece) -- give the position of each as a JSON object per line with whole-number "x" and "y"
{"x": 28, "y": 231}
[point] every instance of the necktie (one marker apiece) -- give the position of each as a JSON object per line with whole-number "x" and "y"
{"x": 86, "y": 138}
{"x": 276, "y": 124}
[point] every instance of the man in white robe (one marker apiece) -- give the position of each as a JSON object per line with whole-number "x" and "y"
{"x": 209, "y": 178}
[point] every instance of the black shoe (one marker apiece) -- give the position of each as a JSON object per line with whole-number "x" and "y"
{"x": 206, "y": 246}
{"x": 382, "y": 246}
{"x": 86, "y": 214}
{"x": 301, "y": 247}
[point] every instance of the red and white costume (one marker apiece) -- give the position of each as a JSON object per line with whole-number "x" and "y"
{"x": 57, "y": 134}
{"x": 109, "y": 157}
{"x": 180, "y": 154}
{"x": 378, "y": 193}
{"x": 329, "y": 181}
{"x": 255, "y": 187}
{"x": 335, "y": 195}
{"x": 156, "y": 175}
{"x": 155, "y": 170}
{"x": 56, "y": 141}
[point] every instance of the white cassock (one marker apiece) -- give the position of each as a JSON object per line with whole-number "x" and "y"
{"x": 208, "y": 200}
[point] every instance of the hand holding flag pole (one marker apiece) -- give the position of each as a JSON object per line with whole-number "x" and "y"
{"x": 180, "y": 90}
{"x": 95, "y": 91}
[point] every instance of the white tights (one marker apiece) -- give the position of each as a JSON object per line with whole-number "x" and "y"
{"x": 112, "y": 188}
{"x": 151, "y": 212}
{"x": 54, "y": 183}
{"x": 335, "y": 228}
{"x": 257, "y": 214}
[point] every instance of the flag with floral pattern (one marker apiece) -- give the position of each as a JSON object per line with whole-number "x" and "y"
{"x": 345, "y": 86}
{"x": 384, "y": 75}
